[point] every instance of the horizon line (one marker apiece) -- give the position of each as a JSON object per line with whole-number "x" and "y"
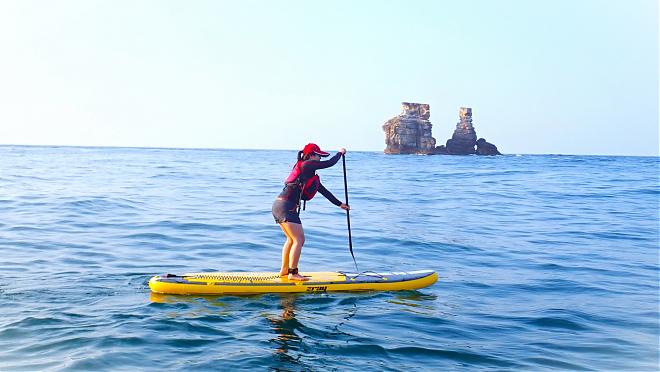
{"x": 280, "y": 149}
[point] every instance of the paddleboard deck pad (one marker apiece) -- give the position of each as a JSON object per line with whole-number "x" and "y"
{"x": 215, "y": 283}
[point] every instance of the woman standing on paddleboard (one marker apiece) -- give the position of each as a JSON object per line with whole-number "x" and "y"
{"x": 301, "y": 185}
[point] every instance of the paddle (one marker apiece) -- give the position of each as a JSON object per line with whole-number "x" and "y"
{"x": 348, "y": 215}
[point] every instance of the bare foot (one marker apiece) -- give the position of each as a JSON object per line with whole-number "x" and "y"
{"x": 284, "y": 273}
{"x": 298, "y": 277}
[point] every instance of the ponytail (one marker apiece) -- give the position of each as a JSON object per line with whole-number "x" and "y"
{"x": 302, "y": 156}
{"x": 295, "y": 172}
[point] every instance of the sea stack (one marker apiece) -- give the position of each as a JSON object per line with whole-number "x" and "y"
{"x": 464, "y": 139}
{"x": 410, "y": 131}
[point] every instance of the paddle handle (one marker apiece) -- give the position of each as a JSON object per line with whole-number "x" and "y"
{"x": 348, "y": 215}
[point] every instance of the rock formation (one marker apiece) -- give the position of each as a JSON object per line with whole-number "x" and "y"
{"x": 464, "y": 139}
{"x": 486, "y": 148}
{"x": 410, "y": 131}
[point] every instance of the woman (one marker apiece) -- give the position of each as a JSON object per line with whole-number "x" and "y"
{"x": 301, "y": 184}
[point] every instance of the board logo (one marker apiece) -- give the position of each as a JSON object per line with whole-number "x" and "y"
{"x": 317, "y": 289}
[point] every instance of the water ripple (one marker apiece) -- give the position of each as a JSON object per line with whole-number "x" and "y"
{"x": 545, "y": 262}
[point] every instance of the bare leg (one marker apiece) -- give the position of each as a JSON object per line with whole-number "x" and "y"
{"x": 286, "y": 249}
{"x": 297, "y": 235}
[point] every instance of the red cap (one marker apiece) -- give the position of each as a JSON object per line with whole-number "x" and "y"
{"x": 312, "y": 148}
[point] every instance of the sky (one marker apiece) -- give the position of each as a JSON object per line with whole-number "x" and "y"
{"x": 559, "y": 76}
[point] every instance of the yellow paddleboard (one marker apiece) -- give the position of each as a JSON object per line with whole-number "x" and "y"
{"x": 215, "y": 283}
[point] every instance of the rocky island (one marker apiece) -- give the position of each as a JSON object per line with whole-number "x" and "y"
{"x": 410, "y": 133}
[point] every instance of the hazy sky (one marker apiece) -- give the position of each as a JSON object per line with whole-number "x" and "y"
{"x": 556, "y": 76}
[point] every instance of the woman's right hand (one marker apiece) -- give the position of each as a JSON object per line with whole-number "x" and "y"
{"x": 342, "y": 150}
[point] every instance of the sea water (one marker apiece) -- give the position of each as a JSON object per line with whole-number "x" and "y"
{"x": 545, "y": 262}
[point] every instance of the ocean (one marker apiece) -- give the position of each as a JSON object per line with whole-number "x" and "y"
{"x": 545, "y": 262}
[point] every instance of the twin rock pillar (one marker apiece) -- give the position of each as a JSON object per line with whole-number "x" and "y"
{"x": 410, "y": 133}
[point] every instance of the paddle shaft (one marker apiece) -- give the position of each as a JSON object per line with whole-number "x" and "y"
{"x": 348, "y": 215}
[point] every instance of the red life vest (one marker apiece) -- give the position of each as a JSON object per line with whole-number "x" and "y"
{"x": 308, "y": 187}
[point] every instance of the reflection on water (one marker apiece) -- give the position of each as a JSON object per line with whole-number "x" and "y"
{"x": 287, "y": 332}
{"x": 285, "y": 326}
{"x": 414, "y": 301}
{"x": 295, "y": 341}
{"x": 194, "y": 306}
{"x": 160, "y": 298}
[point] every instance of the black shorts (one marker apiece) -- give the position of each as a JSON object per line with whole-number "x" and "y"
{"x": 285, "y": 211}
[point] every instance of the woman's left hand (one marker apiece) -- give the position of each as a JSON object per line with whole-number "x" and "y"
{"x": 345, "y": 206}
